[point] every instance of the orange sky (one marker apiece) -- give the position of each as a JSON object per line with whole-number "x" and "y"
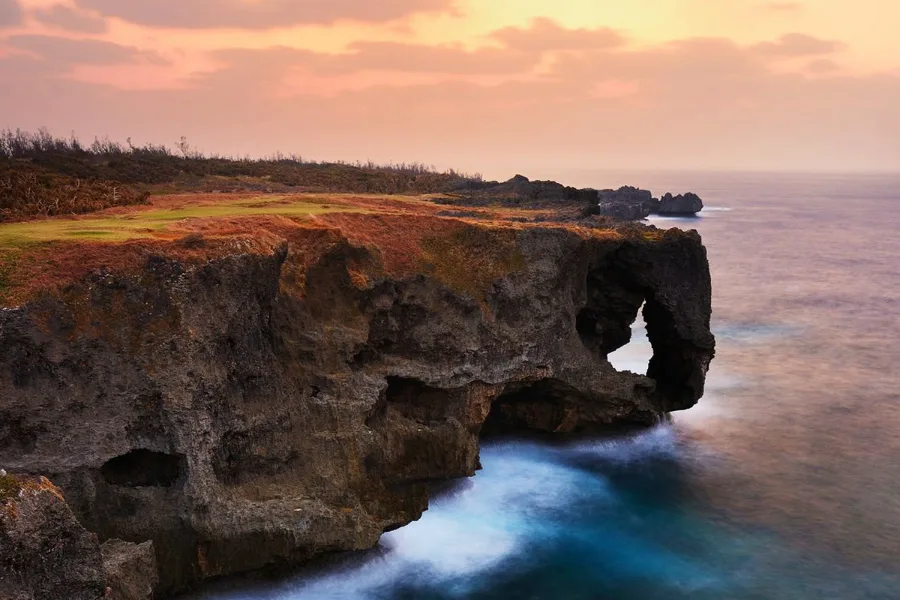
{"x": 489, "y": 85}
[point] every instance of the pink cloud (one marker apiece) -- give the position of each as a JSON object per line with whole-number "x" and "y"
{"x": 798, "y": 44}
{"x": 240, "y": 14}
{"x": 544, "y": 34}
{"x": 71, "y": 19}
{"x": 684, "y": 104}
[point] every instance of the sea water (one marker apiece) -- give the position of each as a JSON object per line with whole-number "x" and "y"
{"x": 784, "y": 482}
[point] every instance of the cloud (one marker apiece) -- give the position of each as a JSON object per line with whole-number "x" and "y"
{"x": 690, "y": 65}
{"x": 544, "y": 34}
{"x": 690, "y": 103}
{"x": 10, "y": 13}
{"x": 259, "y": 14}
{"x": 61, "y": 53}
{"x": 798, "y": 45}
{"x": 522, "y": 53}
{"x": 71, "y": 19}
{"x": 822, "y": 66}
{"x": 418, "y": 58}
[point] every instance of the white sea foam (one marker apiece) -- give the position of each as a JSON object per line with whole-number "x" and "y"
{"x": 657, "y": 442}
{"x": 466, "y": 532}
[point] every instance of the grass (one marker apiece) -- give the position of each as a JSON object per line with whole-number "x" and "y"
{"x": 138, "y": 224}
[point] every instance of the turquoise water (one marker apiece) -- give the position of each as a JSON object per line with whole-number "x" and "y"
{"x": 783, "y": 483}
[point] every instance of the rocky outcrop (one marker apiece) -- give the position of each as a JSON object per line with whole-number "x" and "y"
{"x": 624, "y": 204}
{"x": 521, "y": 191}
{"x": 299, "y": 397}
{"x": 682, "y": 204}
{"x": 131, "y": 572}
{"x": 45, "y": 554}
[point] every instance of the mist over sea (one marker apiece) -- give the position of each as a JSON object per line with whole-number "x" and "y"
{"x": 784, "y": 482}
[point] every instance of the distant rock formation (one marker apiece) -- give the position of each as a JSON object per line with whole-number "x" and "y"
{"x": 625, "y": 204}
{"x": 521, "y": 191}
{"x": 682, "y": 204}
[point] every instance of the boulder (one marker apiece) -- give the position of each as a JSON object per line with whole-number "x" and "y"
{"x": 130, "y": 570}
{"x": 45, "y": 554}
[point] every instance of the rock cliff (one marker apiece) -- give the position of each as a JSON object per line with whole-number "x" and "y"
{"x": 296, "y": 389}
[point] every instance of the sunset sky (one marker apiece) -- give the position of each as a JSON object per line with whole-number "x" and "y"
{"x": 496, "y": 86}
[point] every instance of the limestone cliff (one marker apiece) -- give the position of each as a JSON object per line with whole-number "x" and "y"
{"x": 297, "y": 390}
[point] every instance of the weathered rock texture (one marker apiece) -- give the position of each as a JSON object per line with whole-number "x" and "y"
{"x": 45, "y": 554}
{"x": 282, "y": 402}
{"x": 130, "y": 568}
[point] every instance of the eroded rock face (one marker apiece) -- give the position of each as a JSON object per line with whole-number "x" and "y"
{"x": 263, "y": 409}
{"x": 131, "y": 572}
{"x": 45, "y": 554}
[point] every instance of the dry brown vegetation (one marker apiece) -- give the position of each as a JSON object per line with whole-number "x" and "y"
{"x": 44, "y": 175}
{"x": 27, "y": 191}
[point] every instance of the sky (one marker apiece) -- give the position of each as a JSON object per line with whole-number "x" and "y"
{"x": 493, "y": 86}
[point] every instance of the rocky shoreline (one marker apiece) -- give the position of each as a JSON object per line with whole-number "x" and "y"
{"x": 625, "y": 204}
{"x": 298, "y": 396}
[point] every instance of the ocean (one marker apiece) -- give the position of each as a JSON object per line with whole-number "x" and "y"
{"x": 784, "y": 482}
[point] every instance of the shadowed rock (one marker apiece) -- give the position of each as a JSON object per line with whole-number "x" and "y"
{"x": 45, "y": 554}
{"x": 130, "y": 570}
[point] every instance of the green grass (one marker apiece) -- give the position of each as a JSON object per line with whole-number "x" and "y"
{"x": 144, "y": 223}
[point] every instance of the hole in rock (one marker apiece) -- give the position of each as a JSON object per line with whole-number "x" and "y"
{"x": 143, "y": 468}
{"x": 610, "y": 323}
{"x": 636, "y": 354}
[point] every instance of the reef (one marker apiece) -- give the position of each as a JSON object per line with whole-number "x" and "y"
{"x": 261, "y": 394}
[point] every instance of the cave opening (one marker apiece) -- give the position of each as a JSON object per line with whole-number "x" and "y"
{"x": 143, "y": 468}
{"x": 535, "y": 406}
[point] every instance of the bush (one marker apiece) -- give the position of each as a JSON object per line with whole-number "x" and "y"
{"x": 151, "y": 165}
{"x": 28, "y": 191}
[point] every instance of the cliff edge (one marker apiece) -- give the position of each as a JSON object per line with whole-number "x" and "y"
{"x": 259, "y": 389}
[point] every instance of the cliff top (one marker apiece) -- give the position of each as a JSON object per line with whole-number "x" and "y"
{"x": 68, "y": 210}
{"x": 45, "y": 254}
